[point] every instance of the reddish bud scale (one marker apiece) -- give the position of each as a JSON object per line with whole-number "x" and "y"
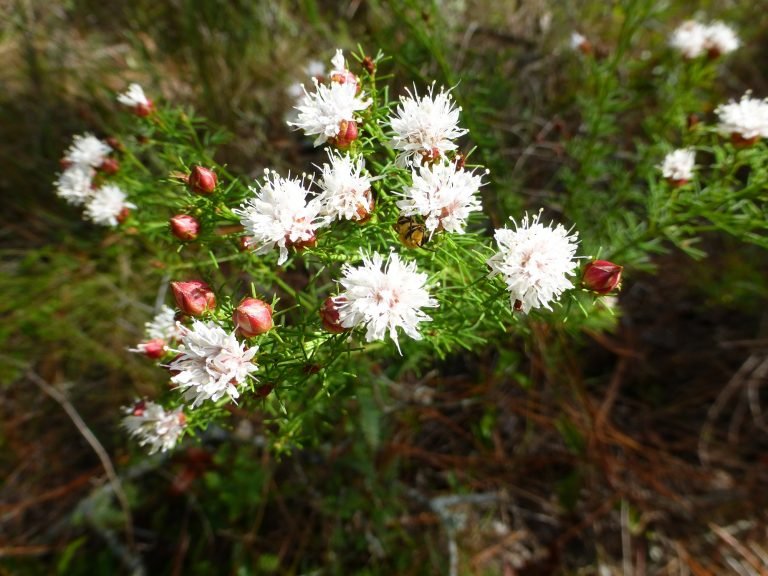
{"x": 329, "y": 315}
{"x": 677, "y": 182}
{"x": 193, "y": 297}
{"x": 184, "y": 227}
{"x": 369, "y": 65}
{"x": 347, "y": 134}
{"x": 109, "y": 166}
{"x": 139, "y": 408}
{"x": 123, "y": 216}
{"x": 144, "y": 110}
{"x": 602, "y": 276}
{"x": 202, "y": 180}
{"x": 741, "y": 142}
{"x": 299, "y": 245}
{"x": 253, "y": 317}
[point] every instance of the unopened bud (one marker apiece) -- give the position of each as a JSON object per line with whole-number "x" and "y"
{"x": 184, "y": 227}
{"x": 202, "y": 180}
{"x": 123, "y": 216}
{"x": 139, "y": 408}
{"x": 329, "y": 315}
{"x": 154, "y": 349}
{"x": 142, "y": 110}
{"x": 347, "y": 134}
{"x": 193, "y": 297}
{"x": 602, "y": 276}
{"x": 253, "y": 317}
{"x": 369, "y": 65}
{"x": 109, "y": 166}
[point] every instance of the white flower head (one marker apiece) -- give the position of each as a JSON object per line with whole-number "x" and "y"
{"x": 346, "y": 188}
{"x": 721, "y": 39}
{"x": 443, "y": 195}
{"x": 134, "y": 97}
{"x": 164, "y": 326}
{"x": 279, "y": 215}
{"x": 425, "y": 127}
{"x": 693, "y": 39}
{"x": 211, "y": 363}
{"x": 535, "y": 261}
{"x": 74, "y": 184}
{"x": 689, "y": 39}
{"x": 678, "y": 165}
{"x": 87, "y": 150}
{"x": 383, "y": 299}
{"x": 322, "y": 112}
{"x": 106, "y": 205}
{"x": 747, "y": 118}
{"x": 153, "y": 426}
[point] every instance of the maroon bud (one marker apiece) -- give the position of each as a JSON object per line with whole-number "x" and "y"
{"x": 123, "y": 216}
{"x": 602, "y": 276}
{"x": 329, "y": 315}
{"x": 144, "y": 110}
{"x": 65, "y": 163}
{"x": 154, "y": 349}
{"x": 692, "y": 121}
{"x": 264, "y": 390}
{"x": 184, "y": 227}
{"x": 193, "y": 297}
{"x": 253, "y": 317}
{"x": 109, "y": 166}
{"x": 202, "y": 180}
{"x": 114, "y": 143}
{"x": 347, "y": 134}
{"x": 369, "y": 65}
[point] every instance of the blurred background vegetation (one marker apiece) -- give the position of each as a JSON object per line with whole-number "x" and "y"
{"x": 638, "y": 450}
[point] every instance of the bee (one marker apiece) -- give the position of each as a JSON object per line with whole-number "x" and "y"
{"x": 411, "y": 232}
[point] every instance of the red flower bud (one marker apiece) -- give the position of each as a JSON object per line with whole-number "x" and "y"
{"x": 253, "y": 317}
{"x": 369, "y": 65}
{"x": 144, "y": 110}
{"x": 65, "y": 163}
{"x": 329, "y": 315}
{"x": 193, "y": 297}
{"x": 602, "y": 276}
{"x": 114, "y": 143}
{"x": 741, "y": 142}
{"x": 184, "y": 227}
{"x": 347, "y": 134}
{"x": 109, "y": 166}
{"x": 202, "y": 180}
{"x": 123, "y": 216}
{"x": 154, "y": 349}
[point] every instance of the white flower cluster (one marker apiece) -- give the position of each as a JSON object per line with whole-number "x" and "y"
{"x": 443, "y": 195}
{"x": 693, "y": 39}
{"x": 423, "y": 128}
{"x": 159, "y": 332}
{"x": 346, "y": 189}
{"x": 746, "y": 119}
{"x": 153, "y": 426}
{"x": 383, "y": 299}
{"x": 211, "y": 363}
{"x": 535, "y": 262}
{"x": 280, "y": 215}
{"x": 326, "y": 112}
{"x": 76, "y": 183}
{"x": 678, "y": 165}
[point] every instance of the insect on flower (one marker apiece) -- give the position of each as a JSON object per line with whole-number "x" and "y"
{"x": 411, "y": 232}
